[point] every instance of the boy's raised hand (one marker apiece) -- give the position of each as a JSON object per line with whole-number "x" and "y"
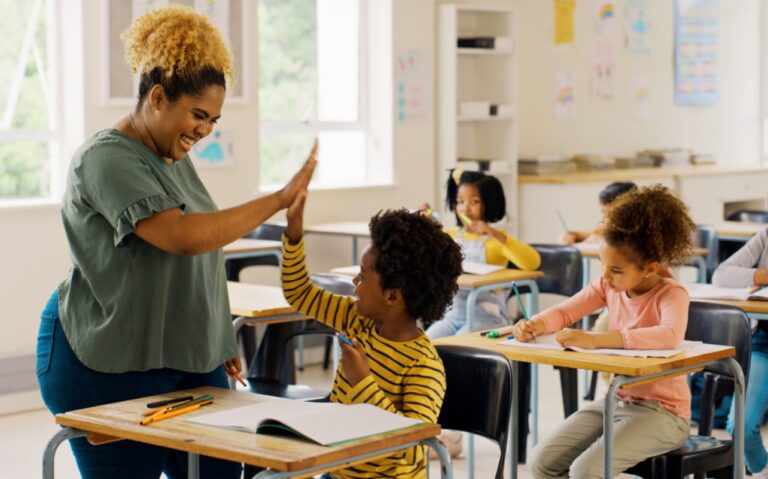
{"x": 295, "y": 216}
{"x": 354, "y": 362}
{"x": 300, "y": 181}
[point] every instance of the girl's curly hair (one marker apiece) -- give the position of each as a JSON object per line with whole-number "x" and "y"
{"x": 650, "y": 224}
{"x": 179, "y": 49}
{"x": 414, "y": 255}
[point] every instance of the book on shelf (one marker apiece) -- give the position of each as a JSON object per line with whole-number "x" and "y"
{"x": 625, "y": 162}
{"x": 673, "y": 157}
{"x": 549, "y": 341}
{"x": 591, "y": 162}
{"x": 322, "y": 423}
{"x": 709, "y": 291}
{"x": 703, "y": 159}
{"x": 485, "y": 43}
{"x": 546, "y": 165}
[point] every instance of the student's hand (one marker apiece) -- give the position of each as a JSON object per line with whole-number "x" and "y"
{"x": 233, "y": 364}
{"x": 354, "y": 362}
{"x": 526, "y": 331}
{"x": 295, "y": 217}
{"x": 567, "y": 238}
{"x": 480, "y": 227}
{"x": 576, "y": 337}
{"x": 300, "y": 181}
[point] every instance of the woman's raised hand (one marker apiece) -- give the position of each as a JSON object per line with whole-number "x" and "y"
{"x": 300, "y": 181}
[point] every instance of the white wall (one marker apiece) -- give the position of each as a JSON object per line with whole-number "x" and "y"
{"x": 33, "y": 251}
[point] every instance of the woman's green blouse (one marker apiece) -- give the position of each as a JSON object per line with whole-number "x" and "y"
{"x": 127, "y": 305}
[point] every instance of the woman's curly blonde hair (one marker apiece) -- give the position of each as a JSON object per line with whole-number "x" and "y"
{"x": 177, "y": 48}
{"x": 650, "y": 224}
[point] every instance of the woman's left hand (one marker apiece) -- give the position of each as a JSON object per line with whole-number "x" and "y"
{"x": 354, "y": 362}
{"x": 576, "y": 337}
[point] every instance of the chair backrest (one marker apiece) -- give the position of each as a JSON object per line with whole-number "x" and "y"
{"x": 478, "y": 395}
{"x": 720, "y": 324}
{"x": 267, "y": 231}
{"x": 706, "y": 237}
{"x": 335, "y": 283}
{"x": 749, "y": 216}
{"x": 562, "y": 268}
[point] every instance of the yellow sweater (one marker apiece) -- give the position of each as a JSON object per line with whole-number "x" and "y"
{"x": 520, "y": 254}
{"x": 406, "y": 378}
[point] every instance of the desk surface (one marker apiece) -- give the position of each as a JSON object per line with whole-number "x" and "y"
{"x": 249, "y": 245}
{"x": 739, "y": 228}
{"x": 350, "y": 228}
{"x": 746, "y": 306}
{"x": 121, "y": 421}
{"x": 255, "y": 301}
{"x": 591, "y": 250}
{"x": 626, "y": 366}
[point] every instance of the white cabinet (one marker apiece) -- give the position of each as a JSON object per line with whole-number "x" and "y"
{"x": 472, "y": 80}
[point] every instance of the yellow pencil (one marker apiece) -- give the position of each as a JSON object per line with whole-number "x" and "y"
{"x": 465, "y": 219}
{"x": 168, "y": 414}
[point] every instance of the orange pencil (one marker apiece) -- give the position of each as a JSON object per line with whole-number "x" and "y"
{"x": 237, "y": 376}
{"x": 166, "y": 415}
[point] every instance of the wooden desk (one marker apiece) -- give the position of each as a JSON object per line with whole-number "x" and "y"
{"x": 353, "y": 229}
{"x": 248, "y": 248}
{"x": 284, "y": 457}
{"x": 738, "y": 230}
{"x": 754, "y": 309}
{"x": 627, "y": 370}
{"x": 255, "y": 304}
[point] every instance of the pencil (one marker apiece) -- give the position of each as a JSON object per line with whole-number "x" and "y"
{"x": 562, "y": 221}
{"x": 237, "y": 376}
{"x": 465, "y": 219}
{"x": 522, "y": 308}
{"x": 173, "y": 407}
{"x": 176, "y": 412}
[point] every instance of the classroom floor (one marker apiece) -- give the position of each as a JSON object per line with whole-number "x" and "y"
{"x": 23, "y": 436}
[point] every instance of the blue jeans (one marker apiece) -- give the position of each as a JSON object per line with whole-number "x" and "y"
{"x": 756, "y": 404}
{"x": 66, "y": 384}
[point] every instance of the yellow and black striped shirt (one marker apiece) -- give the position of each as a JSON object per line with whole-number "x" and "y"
{"x": 406, "y": 378}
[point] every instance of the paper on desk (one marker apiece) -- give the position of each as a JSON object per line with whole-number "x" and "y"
{"x": 473, "y": 267}
{"x": 548, "y": 341}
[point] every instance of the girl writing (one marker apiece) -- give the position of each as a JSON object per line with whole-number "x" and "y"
{"x": 644, "y": 229}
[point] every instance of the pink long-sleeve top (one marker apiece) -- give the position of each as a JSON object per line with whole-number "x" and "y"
{"x": 655, "y": 319}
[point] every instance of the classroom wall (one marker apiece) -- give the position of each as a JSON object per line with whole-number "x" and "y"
{"x": 33, "y": 250}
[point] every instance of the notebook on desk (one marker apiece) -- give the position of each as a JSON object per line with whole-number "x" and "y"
{"x": 322, "y": 423}
{"x": 473, "y": 267}
{"x": 708, "y": 291}
{"x": 548, "y": 341}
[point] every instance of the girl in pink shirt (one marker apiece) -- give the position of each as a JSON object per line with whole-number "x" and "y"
{"x": 644, "y": 229}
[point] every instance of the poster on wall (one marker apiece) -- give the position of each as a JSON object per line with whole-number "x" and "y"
{"x": 563, "y": 18}
{"x": 412, "y": 92}
{"x": 640, "y": 96}
{"x": 637, "y": 28}
{"x": 696, "y": 45}
{"x": 604, "y": 17}
{"x": 565, "y": 100}
{"x": 602, "y": 79}
{"x": 214, "y": 151}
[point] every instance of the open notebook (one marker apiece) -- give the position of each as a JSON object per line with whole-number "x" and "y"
{"x": 473, "y": 267}
{"x": 708, "y": 291}
{"x": 548, "y": 341}
{"x": 323, "y": 423}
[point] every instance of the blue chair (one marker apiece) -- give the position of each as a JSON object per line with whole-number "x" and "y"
{"x": 471, "y": 374}
{"x": 706, "y": 237}
{"x": 702, "y": 454}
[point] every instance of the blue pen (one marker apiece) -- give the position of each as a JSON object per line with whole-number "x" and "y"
{"x": 345, "y": 340}
{"x": 520, "y": 302}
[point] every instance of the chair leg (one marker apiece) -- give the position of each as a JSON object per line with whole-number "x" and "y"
{"x": 590, "y": 396}
{"x": 569, "y": 386}
{"x": 327, "y": 352}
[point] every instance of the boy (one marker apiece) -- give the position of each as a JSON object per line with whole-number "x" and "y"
{"x": 407, "y": 273}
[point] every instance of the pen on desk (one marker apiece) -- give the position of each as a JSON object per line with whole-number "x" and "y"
{"x": 522, "y": 308}
{"x": 169, "y": 401}
{"x": 161, "y": 410}
{"x": 174, "y": 412}
{"x": 345, "y": 340}
{"x": 497, "y": 333}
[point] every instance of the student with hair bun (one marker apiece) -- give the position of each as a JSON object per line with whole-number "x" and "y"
{"x": 144, "y": 308}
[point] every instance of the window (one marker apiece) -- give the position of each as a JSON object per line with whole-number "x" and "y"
{"x": 315, "y": 81}
{"x": 29, "y": 131}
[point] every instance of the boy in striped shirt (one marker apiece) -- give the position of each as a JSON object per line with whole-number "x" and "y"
{"x": 408, "y": 272}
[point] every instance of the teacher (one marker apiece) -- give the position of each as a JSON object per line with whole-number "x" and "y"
{"x": 144, "y": 309}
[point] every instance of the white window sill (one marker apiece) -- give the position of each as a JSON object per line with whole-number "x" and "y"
{"x": 29, "y": 204}
{"x": 336, "y": 189}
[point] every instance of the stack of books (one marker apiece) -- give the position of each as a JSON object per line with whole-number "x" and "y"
{"x": 592, "y": 162}
{"x": 702, "y": 159}
{"x": 638, "y": 161}
{"x": 546, "y": 165}
{"x": 671, "y": 157}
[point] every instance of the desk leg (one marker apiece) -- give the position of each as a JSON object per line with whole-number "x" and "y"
{"x": 49, "y": 455}
{"x": 585, "y": 276}
{"x": 193, "y": 470}
{"x": 738, "y": 410}
{"x": 533, "y": 308}
{"x": 701, "y": 269}
{"x": 513, "y": 418}
{"x": 446, "y": 468}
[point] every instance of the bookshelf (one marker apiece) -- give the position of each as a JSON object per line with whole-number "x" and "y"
{"x": 471, "y": 80}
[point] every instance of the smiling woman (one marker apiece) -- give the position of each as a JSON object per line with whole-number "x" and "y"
{"x": 144, "y": 309}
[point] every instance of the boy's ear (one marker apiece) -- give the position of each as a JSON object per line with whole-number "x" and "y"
{"x": 393, "y": 296}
